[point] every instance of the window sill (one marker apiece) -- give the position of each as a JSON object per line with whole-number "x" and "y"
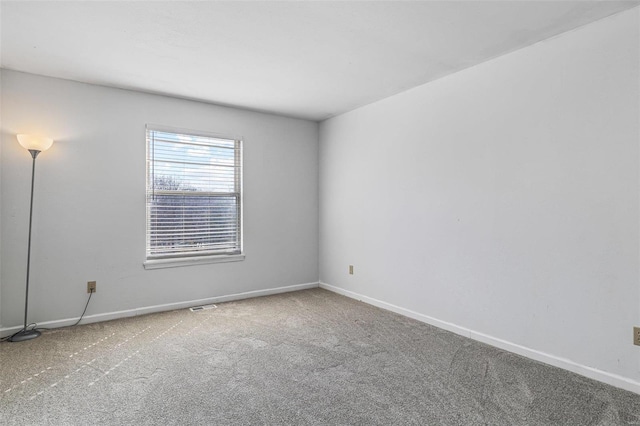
{"x": 191, "y": 261}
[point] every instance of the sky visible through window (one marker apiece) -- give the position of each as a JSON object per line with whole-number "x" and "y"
{"x": 195, "y": 163}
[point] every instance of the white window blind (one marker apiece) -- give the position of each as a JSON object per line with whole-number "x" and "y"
{"x": 194, "y": 195}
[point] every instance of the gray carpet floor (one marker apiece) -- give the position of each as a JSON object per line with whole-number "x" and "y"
{"x": 308, "y": 357}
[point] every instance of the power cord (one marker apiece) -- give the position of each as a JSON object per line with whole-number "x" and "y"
{"x": 85, "y": 309}
{"x": 35, "y": 325}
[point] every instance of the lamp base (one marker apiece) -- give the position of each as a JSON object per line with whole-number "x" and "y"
{"x": 24, "y": 335}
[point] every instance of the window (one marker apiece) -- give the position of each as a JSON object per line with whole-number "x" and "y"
{"x": 194, "y": 198}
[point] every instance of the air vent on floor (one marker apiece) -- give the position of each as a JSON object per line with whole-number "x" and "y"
{"x": 202, "y": 308}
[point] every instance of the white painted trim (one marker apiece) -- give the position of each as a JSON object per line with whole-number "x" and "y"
{"x": 566, "y": 364}
{"x": 161, "y": 308}
{"x": 190, "y": 261}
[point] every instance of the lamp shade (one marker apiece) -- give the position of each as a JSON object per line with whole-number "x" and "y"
{"x": 35, "y": 142}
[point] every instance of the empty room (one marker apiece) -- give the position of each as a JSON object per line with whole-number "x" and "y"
{"x": 320, "y": 212}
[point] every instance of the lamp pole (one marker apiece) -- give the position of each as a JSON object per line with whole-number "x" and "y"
{"x": 25, "y": 334}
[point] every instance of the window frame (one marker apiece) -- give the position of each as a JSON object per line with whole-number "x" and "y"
{"x": 169, "y": 261}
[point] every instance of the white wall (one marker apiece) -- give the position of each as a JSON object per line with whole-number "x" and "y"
{"x": 502, "y": 199}
{"x": 89, "y": 211}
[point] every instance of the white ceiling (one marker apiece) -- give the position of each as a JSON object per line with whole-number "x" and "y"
{"x": 304, "y": 59}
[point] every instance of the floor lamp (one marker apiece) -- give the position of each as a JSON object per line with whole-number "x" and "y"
{"x": 35, "y": 145}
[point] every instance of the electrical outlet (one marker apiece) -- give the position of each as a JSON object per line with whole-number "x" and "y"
{"x": 636, "y": 336}
{"x": 91, "y": 286}
{"x": 350, "y": 269}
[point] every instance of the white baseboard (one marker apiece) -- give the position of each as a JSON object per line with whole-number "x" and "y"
{"x": 566, "y": 364}
{"x": 161, "y": 308}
